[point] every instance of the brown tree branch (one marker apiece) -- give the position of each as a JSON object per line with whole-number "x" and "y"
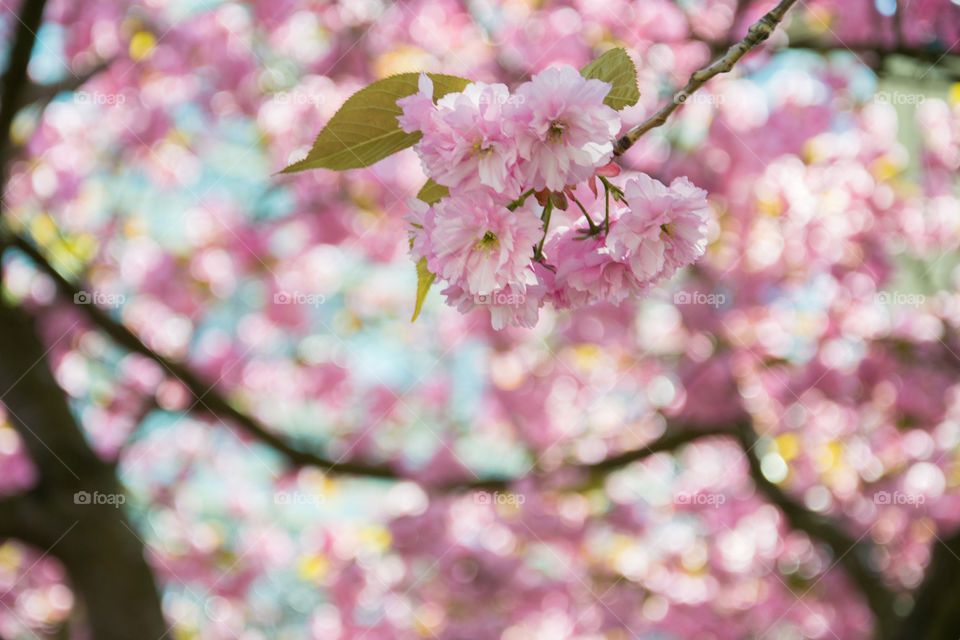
{"x": 208, "y": 398}
{"x": 871, "y": 50}
{"x": 14, "y": 79}
{"x": 757, "y": 33}
{"x": 20, "y": 519}
{"x": 42, "y": 94}
{"x": 676, "y": 436}
{"x": 936, "y": 610}
{"x": 851, "y": 553}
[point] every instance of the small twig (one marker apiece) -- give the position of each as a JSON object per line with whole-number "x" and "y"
{"x": 545, "y": 216}
{"x": 612, "y": 188}
{"x": 759, "y": 32}
{"x": 594, "y": 229}
{"x": 513, "y": 206}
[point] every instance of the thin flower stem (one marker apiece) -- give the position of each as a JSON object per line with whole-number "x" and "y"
{"x": 612, "y": 188}
{"x": 606, "y": 212}
{"x": 545, "y": 216}
{"x": 519, "y": 201}
{"x": 593, "y": 225}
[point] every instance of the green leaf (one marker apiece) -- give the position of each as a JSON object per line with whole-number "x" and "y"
{"x": 424, "y": 282}
{"x": 615, "y": 67}
{"x": 432, "y": 192}
{"x": 365, "y": 129}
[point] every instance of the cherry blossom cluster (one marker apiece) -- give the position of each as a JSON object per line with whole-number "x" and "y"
{"x": 551, "y": 138}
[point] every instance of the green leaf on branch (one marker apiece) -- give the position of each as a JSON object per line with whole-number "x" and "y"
{"x": 615, "y": 67}
{"x": 365, "y": 129}
{"x": 424, "y": 282}
{"x": 432, "y": 192}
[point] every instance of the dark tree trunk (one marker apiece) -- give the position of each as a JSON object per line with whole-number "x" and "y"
{"x": 101, "y": 552}
{"x": 936, "y": 610}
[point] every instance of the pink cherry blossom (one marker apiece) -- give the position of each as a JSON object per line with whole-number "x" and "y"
{"x": 513, "y": 305}
{"x": 472, "y": 241}
{"x": 419, "y": 212}
{"x": 666, "y": 228}
{"x": 588, "y": 271}
{"x": 419, "y": 111}
{"x": 567, "y": 130}
{"x": 468, "y": 141}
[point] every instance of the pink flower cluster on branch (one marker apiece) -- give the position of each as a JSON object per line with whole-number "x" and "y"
{"x": 551, "y": 137}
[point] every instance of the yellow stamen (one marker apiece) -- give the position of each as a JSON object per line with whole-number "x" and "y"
{"x": 480, "y": 150}
{"x": 488, "y": 242}
{"x": 555, "y": 133}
